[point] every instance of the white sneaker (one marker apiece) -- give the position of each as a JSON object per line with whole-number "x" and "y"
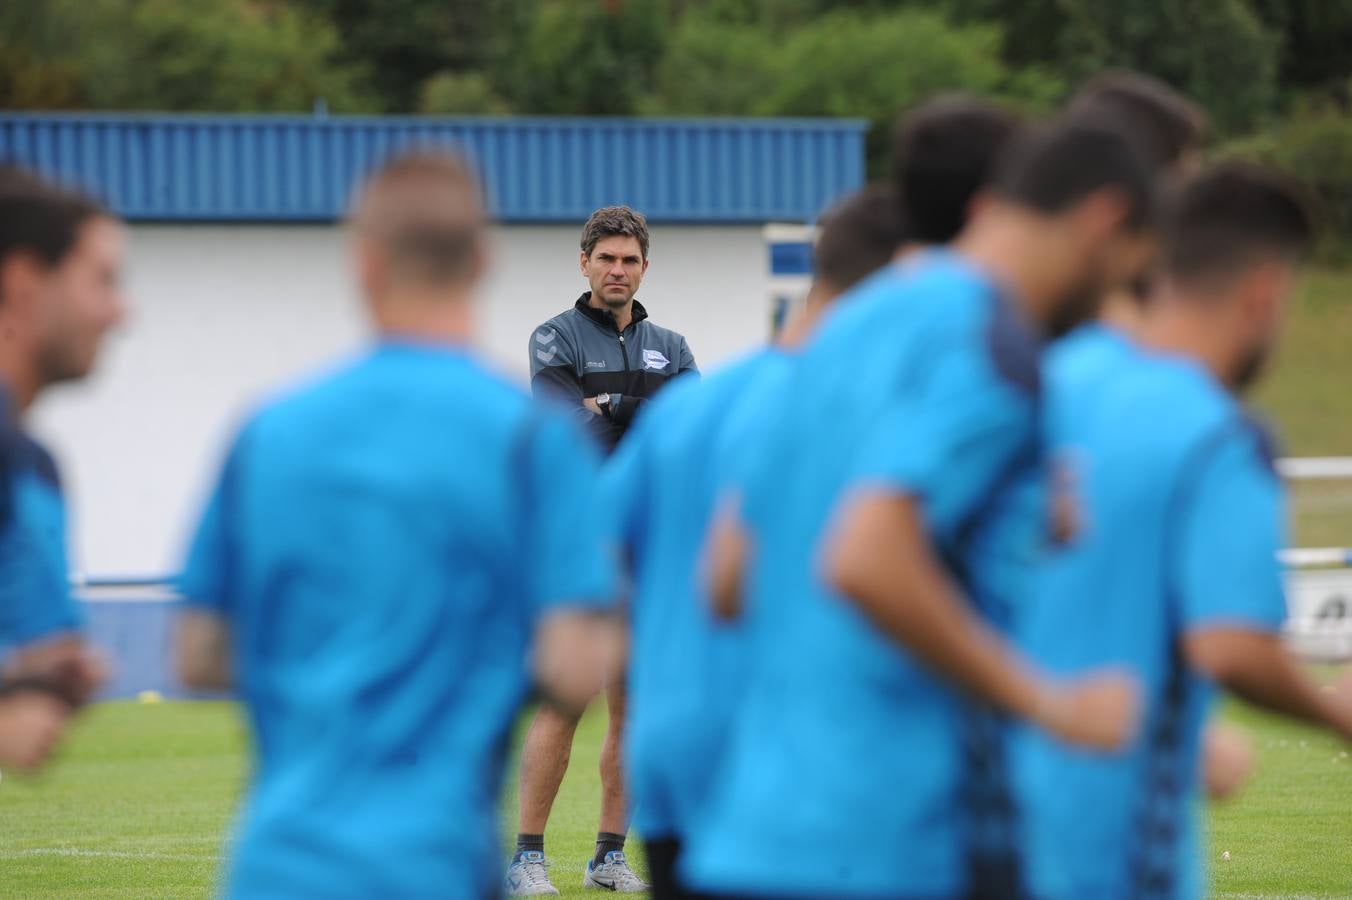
{"x": 613, "y": 875}
{"x": 529, "y": 876}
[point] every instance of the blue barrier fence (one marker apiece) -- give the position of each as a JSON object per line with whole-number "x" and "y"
{"x": 135, "y": 633}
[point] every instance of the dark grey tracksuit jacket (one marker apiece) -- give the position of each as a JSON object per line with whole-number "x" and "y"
{"x": 581, "y": 353}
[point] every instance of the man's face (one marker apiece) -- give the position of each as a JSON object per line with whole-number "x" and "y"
{"x": 1111, "y": 265}
{"x": 81, "y": 300}
{"x": 614, "y": 269}
{"x": 1269, "y": 294}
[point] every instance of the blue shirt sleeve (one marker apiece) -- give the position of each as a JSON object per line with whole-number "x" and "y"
{"x": 568, "y": 559}
{"x": 211, "y": 572}
{"x": 1232, "y": 524}
{"x": 35, "y": 598}
{"x": 952, "y": 443}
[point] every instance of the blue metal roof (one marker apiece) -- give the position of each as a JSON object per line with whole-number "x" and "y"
{"x": 301, "y": 168}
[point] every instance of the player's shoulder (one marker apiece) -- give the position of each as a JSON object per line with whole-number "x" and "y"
{"x": 563, "y": 325}
{"x": 21, "y": 453}
{"x": 1174, "y": 403}
{"x": 451, "y": 388}
{"x": 654, "y": 332}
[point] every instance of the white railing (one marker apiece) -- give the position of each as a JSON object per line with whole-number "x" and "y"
{"x": 1319, "y": 579}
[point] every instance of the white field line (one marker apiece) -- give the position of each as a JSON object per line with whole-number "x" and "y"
{"x": 108, "y": 854}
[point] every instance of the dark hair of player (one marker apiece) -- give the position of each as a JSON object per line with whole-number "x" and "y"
{"x": 1231, "y": 216}
{"x": 857, "y": 236}
{"x": 40, "y": 218}
{"x": 943, "y": 153}
{"x": 1052, "y": 168}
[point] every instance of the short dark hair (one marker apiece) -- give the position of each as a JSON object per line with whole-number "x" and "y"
{"x": 1164, "y": 122}
{"x": 857, "y": 236}
{"x": 1232, "y": 215}
{"x": 612, "y": 221}
{"x": 943, "y": 153}
{"x": 1051, "y": 168}
{"x": 40, "y": 218}
{"x": 423, "y": 207}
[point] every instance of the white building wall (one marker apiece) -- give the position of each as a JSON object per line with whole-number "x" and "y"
{"x": 224, "y": 314}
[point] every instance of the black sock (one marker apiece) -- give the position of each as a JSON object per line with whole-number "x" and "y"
{"x": 605, "y": 843}
{"x": 525, "y": 843}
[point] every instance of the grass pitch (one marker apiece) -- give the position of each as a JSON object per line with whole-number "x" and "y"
{"x": 139, "y": 804}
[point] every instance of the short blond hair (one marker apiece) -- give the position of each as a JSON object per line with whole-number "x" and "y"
{"x": 423, "y": 208}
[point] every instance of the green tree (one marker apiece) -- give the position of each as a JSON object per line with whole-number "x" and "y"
{"x": 464, "y": 93}
{"x": 401, "y": 44}
{"x": 231, "y": 55}
{"x": 581, "y": 57}
{"x": 865, "y": 65}
{"x": 1218, "y": 51}
{"x": 1315, "y": 39}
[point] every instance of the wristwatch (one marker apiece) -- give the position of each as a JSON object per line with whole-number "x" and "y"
{"x": 603, "y": 403}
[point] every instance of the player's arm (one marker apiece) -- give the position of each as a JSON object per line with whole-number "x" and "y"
{"x": 926, "y": 473}
{"x": 1229, "y": 585}
{"x": 1227, "y": 760}
{"x": 727, "y": 554}
{"x": 31, "y": 724}
{"x": 570, "y": 567}
{"x": 202, "y": 650}
{"x": 64, "y": 661}
{"x": 202, "y": 639}
{"x": 554, "y": 373}
{"x": 880, "y": 558}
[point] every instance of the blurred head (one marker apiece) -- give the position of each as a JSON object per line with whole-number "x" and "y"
{"x": 1233, "y": 241}
{"x": 1167, "y": 126}
{"x": 60, "y": 279}
{"x": 943, "y": 153}
{"x": 1085, "y": 201}
{"x": 855, "y": 238}
{"x": 418, "y": 226}
{"x": 615, "y": 254}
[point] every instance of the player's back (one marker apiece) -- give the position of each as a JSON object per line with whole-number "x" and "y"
{"x": 834, "y": 709}
{"x": 381, "y": 622}
{"x": 1140, "y": 429}
{"x": 684, "y": 666}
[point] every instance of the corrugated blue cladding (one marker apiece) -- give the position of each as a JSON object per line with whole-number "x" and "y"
{"x": 271, "y": 168}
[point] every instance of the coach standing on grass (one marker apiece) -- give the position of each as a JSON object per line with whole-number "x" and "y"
{"x": 604, "y": 358}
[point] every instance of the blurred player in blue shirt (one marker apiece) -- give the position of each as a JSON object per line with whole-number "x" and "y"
{"x": 60, "y": 293}
{"x": 1174, "y": 571}
{"x": 662, "y": 485}
{"x": 865, "y": 516}
{"x": 384, "y": 545}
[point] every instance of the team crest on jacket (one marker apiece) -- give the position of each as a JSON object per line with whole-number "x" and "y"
{"x": 653, "y": 359}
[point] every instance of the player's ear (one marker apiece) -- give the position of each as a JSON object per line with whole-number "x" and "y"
{"x": 645, "y": 265}
{"x": 582, "y": 262}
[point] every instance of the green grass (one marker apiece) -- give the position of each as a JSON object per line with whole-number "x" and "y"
{"x": 1307, "y": 390}
{"x": 1307, "y": 396}
{"x": 1287, "y": 834}
{"x": 138, "y": 805}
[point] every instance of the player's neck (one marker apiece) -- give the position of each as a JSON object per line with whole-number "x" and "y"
{"x": 624, "y": 316}
{"x": 1015, "y": 250}
{"x": 1176, "y": 328}
{"x": 442, "y": 319}
{"x": 19, "y": 376}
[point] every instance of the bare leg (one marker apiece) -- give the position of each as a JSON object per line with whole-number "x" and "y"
{"x": 544, "y": 761}
{"x": 614, "y": 803}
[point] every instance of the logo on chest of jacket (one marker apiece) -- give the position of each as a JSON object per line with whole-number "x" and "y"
{"x": 595, "y": 365}
{"x": 653, "y": 359}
